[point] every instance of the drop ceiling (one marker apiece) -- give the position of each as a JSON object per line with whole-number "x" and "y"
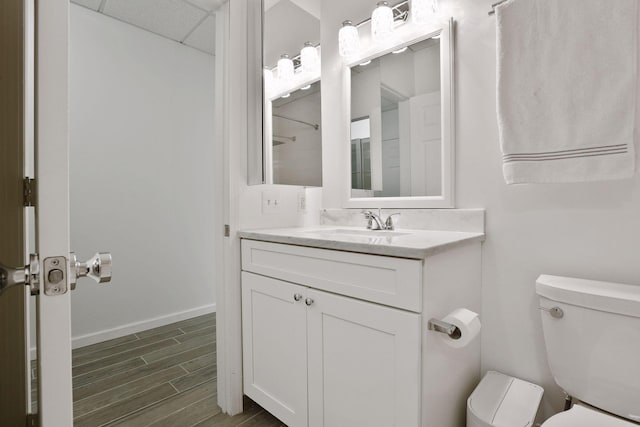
{"x": 190, "y": 22}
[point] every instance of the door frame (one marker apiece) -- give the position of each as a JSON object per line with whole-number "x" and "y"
{"x": 240, "y": 96}
{"x": 52, "y": 165}
{"x": 14, "y": 373}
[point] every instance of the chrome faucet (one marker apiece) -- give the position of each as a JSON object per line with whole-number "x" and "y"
{"x": 376, "y": 222}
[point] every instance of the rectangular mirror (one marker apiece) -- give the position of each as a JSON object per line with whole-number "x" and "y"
{"x": 292, "y": 107}
{"x": 401, "y": 125}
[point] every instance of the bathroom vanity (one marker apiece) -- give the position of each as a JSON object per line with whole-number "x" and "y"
{"x": 335, "y": 325}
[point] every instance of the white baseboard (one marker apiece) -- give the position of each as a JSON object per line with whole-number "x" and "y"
{"x": 132, "y": 328}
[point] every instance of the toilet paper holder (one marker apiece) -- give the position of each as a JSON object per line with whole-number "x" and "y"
{"x": 446, "y": 328}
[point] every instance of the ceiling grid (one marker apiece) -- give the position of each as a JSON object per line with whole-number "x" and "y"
{"x": 189, "y": 22}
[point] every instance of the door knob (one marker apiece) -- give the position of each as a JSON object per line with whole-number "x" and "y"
{"x": 98, "y": 268}
{"x": 308, "y": 301}
{"x": 27, "y": 275}
{"x": 297, "y": 297}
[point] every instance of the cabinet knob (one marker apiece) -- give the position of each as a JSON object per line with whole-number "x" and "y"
{"x": 297, "y": 297}
{"x": 308, "y": 301}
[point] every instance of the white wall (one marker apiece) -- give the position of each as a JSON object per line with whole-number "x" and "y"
{"x": 583, "y": 230}
{"x": 142, "y": 151}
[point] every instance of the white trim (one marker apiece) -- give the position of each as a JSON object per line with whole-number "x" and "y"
{"x": 407, "y": 37}
{"x": 132, "y": 328}
{"x": 302, "y": 79}
{"x": 234, "y": 123}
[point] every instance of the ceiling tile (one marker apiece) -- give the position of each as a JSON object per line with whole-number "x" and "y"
{"x": 207, "y": 5}
{"x": 268, "y": 4}
{"x": 204, "y": 36}
{"x": 310, "y": 6}
{"x": 169, "y": 18}
{"x": 91, "y": 4}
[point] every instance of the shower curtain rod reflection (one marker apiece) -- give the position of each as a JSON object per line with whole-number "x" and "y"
{"x": 313, "y": 125}
{"x": 287, "y": 138}
{"x": 493, "y": 7}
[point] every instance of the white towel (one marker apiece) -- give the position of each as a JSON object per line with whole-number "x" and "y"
{"x": 567, "y": 89}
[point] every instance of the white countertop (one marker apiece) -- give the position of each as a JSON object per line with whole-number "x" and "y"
{"x": 417, "y": 244}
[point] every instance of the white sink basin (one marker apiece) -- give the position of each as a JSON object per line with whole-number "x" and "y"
{"x": 368, "y": 233}
{"x": 355, "y": 235}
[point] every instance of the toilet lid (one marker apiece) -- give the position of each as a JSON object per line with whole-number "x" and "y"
{"x": 581, "y": 416}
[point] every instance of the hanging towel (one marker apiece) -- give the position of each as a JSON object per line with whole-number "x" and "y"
{"x": 567, "y": 89}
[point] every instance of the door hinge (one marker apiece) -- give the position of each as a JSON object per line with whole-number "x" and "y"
{"x": 227, "y": 230}
{"x": 32, "y": 420}
{"x": 29, "y": 192}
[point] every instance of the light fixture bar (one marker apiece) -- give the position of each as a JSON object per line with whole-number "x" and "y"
{"x": 296, "y": 60}
{"x": 400, "y": 12}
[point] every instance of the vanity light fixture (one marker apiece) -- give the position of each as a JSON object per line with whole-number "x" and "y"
{"x": 285, "y": 68}
{"x": 423, "y": 11}
{"x": 309, "y": 58}
{"x": 382, "y": 22}
{"x": 349, "y": 39}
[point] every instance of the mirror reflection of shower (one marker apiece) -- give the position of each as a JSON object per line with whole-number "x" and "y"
{"x": 297, "y": 138}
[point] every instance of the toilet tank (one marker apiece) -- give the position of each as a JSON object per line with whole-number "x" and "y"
{"x": 593, "y": 349}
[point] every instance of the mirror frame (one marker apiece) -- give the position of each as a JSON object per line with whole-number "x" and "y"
{"x": 406, "y": 38}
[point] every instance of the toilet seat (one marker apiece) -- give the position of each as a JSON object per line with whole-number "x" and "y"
{"x": 582, "y": 416}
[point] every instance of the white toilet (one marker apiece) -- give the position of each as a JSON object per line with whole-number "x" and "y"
{"x": 592, "y": 336}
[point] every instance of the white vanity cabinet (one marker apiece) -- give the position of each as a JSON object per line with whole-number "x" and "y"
{"x": 336, "y": 339}
{"x": 326, "y": 359}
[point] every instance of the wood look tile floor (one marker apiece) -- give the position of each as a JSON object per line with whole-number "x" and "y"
{"x": 161, "y": 377}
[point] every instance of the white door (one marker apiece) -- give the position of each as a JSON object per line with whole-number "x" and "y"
{"x": 426, "y": 145}
{"x": 52, "y": 211}
{"x": 49, "y": 107}
{"x": 364, "y": 363}
{"x": 274, "y": 330}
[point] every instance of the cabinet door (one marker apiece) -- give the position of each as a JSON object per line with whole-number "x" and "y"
{"x": 364, "y": 363}
{"x": 274, "y": 336}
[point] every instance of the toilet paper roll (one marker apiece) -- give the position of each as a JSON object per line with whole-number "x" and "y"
{"x": 469, "y": 324}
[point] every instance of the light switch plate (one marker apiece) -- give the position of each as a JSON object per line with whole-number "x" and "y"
{"x": 270, "y": 202}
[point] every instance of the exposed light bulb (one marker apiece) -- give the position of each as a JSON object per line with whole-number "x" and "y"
{"x": 382, "y": 22}
{"x": 285, "y": 96}
{"x": 364, "y": 64}
{"x": 349, "y": 39}
{"x": 423, "y": 11}
{"x": 307, "y": 87}
{"x": 401, "y": 50}
{"x": 309, "y": 58}
{"x": 285, "y": 68}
